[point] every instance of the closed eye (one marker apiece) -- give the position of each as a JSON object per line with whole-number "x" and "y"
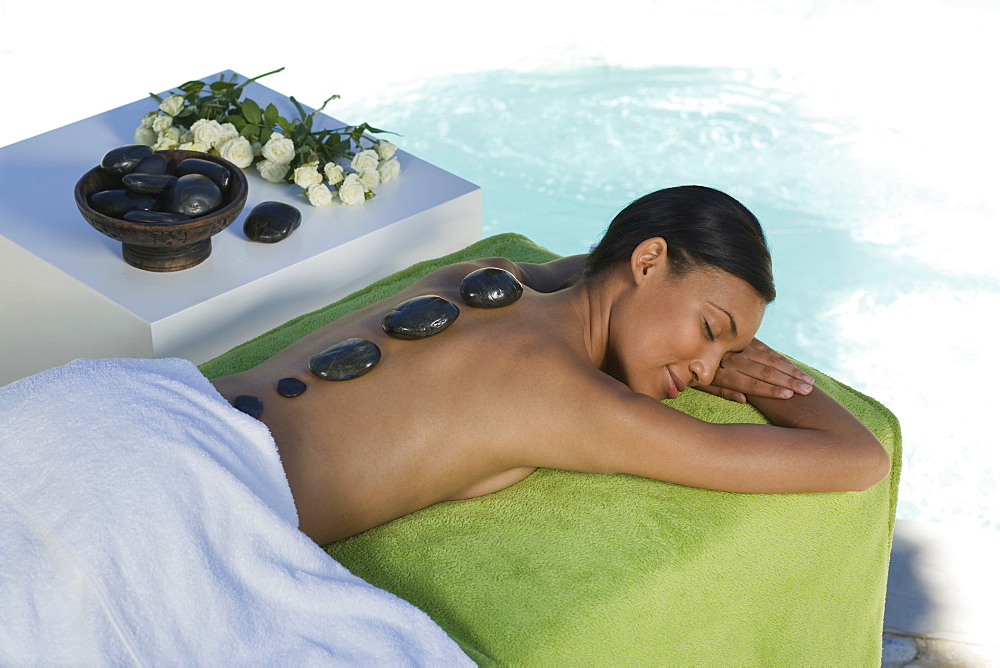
{"x": 708, "y": 331}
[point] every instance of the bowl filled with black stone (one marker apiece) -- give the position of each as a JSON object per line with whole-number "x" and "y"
{"x": 164, "y": 206}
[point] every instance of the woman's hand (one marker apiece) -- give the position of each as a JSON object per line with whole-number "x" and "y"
{"x": 758, "y": 371}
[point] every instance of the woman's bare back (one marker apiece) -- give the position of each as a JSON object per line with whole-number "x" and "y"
{"x": 568, "y": 379}
{"x": 437, "y": 419}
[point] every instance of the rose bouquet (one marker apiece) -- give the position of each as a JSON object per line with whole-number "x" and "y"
{"x": 213, "y": 118}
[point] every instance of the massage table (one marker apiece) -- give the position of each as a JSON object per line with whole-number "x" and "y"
{"x": 577, "y": 569}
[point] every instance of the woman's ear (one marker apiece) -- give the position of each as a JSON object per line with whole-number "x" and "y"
{"x": 649, "y": 258}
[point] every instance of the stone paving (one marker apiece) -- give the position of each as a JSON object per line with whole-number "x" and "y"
{"x": 902, "y": 650}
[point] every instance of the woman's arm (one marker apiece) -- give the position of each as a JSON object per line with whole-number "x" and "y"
{"x": 813, "y": 445}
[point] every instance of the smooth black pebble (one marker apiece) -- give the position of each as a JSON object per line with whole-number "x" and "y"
{"x": 193, "y": 195}
{"x": 491, "y": 287}
{"x": 124, "y": 159}
{"x": 116, "y": 203}
{"x": 270, "y": 222}
{"x": 213, "y": 170}
{"x": 148, "y": 183}
{"x": 250, "y": 405}
{"x": 420, "y": 317}
{"x": 346, "y": 360}
{"x": 291, "y": 387}
{"x": 152, "y": 164}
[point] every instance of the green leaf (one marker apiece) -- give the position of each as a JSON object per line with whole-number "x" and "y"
{"x": 249, "y": 131}
{"x": 271, "y": 115}
{"x": 251, "y": 111}
{"x": 285, "y": 125}
{"x": 238, "y": 122}
{"x": 192, "y": 86}
{"x": 382, "y": 132}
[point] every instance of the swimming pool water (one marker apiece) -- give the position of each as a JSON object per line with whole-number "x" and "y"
{"x": 883, "y": 276}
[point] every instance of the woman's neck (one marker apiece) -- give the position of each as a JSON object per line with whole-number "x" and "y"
{"x": 586, "y": 309}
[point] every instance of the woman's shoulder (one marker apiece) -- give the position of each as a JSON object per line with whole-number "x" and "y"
{"x": 460, "y": 270}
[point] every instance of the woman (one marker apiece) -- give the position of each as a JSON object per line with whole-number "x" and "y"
{"x": 571, "y": 376}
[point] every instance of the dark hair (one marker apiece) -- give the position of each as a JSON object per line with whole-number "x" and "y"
{"x": 702, "y": 227}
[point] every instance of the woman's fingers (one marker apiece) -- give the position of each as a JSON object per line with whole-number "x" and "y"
{"x": 725, "y": 393}
{"x": 760, "y": 371}
{"x": 761, "y": 375}
{"x": 763, "y": 354}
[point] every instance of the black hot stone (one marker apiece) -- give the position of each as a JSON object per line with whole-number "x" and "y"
{"x": 349, "y": 359}
{"x": 250, "y": 405}
{"x": 420, "y": 317}
{"x": 212, "y": 170}
{"x": 291, "y": 387}
{"x": 270, "y": 222}
{"x": 125, "y": 159}
{"x": 491, "y": 287}
{"x": 116, "y": 203}
{"x": 193, "y": 195}
{"x": 148, "y": 183}
{"x": 152, "y": 164}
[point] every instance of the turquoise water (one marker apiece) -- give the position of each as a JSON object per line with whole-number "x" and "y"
{"x": 879, "y": 279}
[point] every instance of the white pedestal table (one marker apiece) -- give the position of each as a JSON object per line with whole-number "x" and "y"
{"x": 66, "y": 292}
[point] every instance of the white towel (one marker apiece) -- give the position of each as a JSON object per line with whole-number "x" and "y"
{"x": 144, "y": 520}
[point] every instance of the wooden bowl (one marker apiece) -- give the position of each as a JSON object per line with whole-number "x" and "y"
{"x": 164, "y": 246}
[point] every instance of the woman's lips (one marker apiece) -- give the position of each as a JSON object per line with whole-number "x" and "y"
{"x": 674, "y": 387}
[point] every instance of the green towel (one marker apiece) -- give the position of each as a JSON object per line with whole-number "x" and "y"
{"x": 578, "y": 569}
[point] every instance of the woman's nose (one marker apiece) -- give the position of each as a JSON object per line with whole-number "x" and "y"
{"x": 703, "y": 370}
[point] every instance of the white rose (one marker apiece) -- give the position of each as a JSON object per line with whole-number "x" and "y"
{"x": 389, "y": 170}
{"x": 319, "y": 195}
{"x": 172, "y": 105}
{"x": 206, "y": 132}
{"x": 334, "y": 173}
{"x": 272, "y": 171}
{"x": 164, "y": 143}
{"x": 174, "y": 134}
{"x": 144, "y": 136}
{"x": 369, "y": 178}
{"x": 385, "y": 149}
{"x": 227, "y": 131}
{"x": 195, "y": 146}
{"x": 352, "y": 191}
{"x": 367, "y": 159}
{"x": 238, "y": 151}
{"x": 161, "y": 123}
{"x": 278, "y": 149}
{"x": 307, "y": 175}
{"x": 147, "y": 120}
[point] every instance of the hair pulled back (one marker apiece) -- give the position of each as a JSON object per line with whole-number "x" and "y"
{"x": 703, "y": 227}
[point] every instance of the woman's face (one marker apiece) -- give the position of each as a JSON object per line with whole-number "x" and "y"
{"x": 673, "y": 332}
